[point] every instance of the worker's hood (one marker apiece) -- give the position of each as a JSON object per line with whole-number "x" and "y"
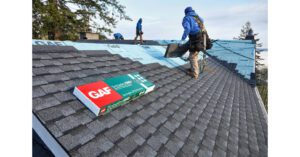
{"x": 140, "y": 20}
{"x": 187, "y": 10}
{"x": 191, "y": 13}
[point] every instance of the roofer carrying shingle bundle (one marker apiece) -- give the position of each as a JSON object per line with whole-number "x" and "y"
{"x": 194, "y": 28}
{"x": 139, "y": 31}
{"x": 118, "y": 36}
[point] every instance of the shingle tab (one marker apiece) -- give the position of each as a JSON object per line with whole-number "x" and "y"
{"x": 50, "y": 88}
{"x": 115, "y": 151}
{"x": 56, "y": 77}
{"x": 128, "y": 145}
{"x": 145, "y": 130}
{"x": 121, "y": 113}
{"x": 104, "y": 143}
{"x": 44, "y": 102}
{"x": 54, "y": 130}
{"x": 118, "y": 131}
{"x": 174, "y": 145}
{"x": 134, "y": 121}
{"x": 64, "y": 96}
{"x": 40, "y": 71}
{"x": 38, "y": 80}
{"x": 37, "y": 92}
{"x": 91, "y": 149}
{"x": 67, "y": 123}
{"x": 165, "y": 153}
{"x": 96, "y": 126}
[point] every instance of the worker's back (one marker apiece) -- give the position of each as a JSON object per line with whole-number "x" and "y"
{"x": 139, "y": 25}
{"x": 190, "y": 25}
{"x": 189, "y": 19}
{"x": 118, "y": 36}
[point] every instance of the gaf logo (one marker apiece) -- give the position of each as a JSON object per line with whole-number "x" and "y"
{"x": 96, "y": 96}
{"x": 100, "y": 93}
{"x": 48, "y": 42}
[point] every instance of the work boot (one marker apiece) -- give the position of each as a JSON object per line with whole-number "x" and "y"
{"x": 192, "y": 74}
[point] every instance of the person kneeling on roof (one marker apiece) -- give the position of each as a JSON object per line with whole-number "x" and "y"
{"x": 193, "y": 27}
{"x": 118, "y": 36}
{"x": 139, "y": 32}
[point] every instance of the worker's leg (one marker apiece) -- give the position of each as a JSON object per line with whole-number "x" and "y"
{"x": 204, "y": 51}
{"x": 141, "y": 39}
{"x": 204, "y": 60}
{"x": 193, "y": 57}
{"x": 135, "y": 38}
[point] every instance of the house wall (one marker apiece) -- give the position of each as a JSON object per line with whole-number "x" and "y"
{"x": 92, "y": 36}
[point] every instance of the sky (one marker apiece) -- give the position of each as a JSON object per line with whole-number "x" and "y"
{"x": 223, "y": 18}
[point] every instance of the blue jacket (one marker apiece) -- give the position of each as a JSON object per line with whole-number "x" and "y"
{"x": 118, "y": 35}
{"x": 139, "y": 25}
{"x": 189, "y": 24}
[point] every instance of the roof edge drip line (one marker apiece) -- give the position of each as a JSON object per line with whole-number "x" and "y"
{"x": 262, "y": 106}
{"x": 48, "y": 139}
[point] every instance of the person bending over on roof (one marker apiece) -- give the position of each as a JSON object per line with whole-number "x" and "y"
{"x": 118, "y": 36}
{"x": 139, "y": 32}
{"x": 193, "y": 27}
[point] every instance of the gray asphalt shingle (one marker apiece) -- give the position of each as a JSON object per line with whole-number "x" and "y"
{"x": 215, "y": 115}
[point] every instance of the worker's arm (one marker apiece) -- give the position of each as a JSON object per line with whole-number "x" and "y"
{"x": 187, "y": 28}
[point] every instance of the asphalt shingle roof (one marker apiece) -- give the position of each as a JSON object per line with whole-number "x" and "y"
{"x": 216, "y": 115}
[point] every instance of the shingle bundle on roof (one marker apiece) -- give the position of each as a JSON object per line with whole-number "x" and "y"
{"x": 218, "y": 114}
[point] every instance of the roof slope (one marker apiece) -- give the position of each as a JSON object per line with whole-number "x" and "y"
{"x": 216, "y": 115}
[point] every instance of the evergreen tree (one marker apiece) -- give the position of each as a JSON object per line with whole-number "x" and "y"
{"x": 244, "y": 31}
{"x": 63, "y": 19}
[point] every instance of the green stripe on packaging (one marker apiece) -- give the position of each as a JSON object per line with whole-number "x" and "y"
{"x": 130, "y": 86}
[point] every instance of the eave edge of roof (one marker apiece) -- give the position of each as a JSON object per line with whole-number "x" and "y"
{"x": 261, "y": 104}
{"x": 47, "y": 138}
